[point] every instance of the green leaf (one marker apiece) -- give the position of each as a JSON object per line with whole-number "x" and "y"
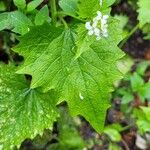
{"x": 141, "y": 67}
{"x": 143, "y": 119}
{"x": 2, "y": 6}
{"x": 33, "y": 4}
{"x": 144, "y": 12}
{"x": 113, "y": 134}
{"x": 20, "y": 3}
{"x": 107, "y": 3}
{"x": 114, "y": 146}
{"x": 24, "y": 112}
{"x": 88, "y": 8}
{"x": 69, "y": 6}
{"x": 16, "y": 21}
{"x": 127, "y": 98}
{"x": 85, "y": 81}
{"x": 145, "y": 91}
{"x": 42, "y": 16}
{"x": 3, "y": 21}
{"x": 136, "y": 82}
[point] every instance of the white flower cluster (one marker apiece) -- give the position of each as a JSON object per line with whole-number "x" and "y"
{"x": 98, "y": 26}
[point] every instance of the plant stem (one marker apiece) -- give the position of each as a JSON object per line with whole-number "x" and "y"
{"x": 129, "y": 35}
{"x": 64, "y": 22}
{"x": 52, "y": 4}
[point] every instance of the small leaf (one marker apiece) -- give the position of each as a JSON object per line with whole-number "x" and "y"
{"x": 107, "y": 3}
{"x": 127, "y": 98}
{"x": 113, "y": 134}
{"x": 144, "y": 12}
{"x": 42, "y": 16}
{"x": 20, "y": 3}
{"x": 24, "y": 112}
{"x": 33, "y": 4}
{"x": 141, "y": 67}
{"x": 144, "y": 91}
{"x": 15, "y": 21}
{"x": 136, "y": 82}
{"x": 69, "y": 6}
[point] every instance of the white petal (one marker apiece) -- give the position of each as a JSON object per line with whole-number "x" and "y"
{"x": 91, "y": 32}
{"x": 103, "y": 21}
{"x": 105, "y": 17}
{"x": 88, "y": 25}
{"x": 105, "y": 34}
{"x": 97, "y": 31}
{"x": 99, "y": 14}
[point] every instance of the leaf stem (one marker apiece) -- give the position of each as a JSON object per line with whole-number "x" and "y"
{"x": 64, "y": 22}
{"x": 52, "y": 4}
{"x": 129, "y": 35}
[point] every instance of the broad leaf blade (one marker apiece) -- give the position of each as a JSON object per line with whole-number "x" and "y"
{"x": 84, "y": 81}
{"x": 24, "y": 112}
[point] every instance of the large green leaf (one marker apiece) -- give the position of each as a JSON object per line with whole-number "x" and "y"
{"x": 144, "y": 12}
{"x": 24, "y": 112}
{"x": 85, "y": 81}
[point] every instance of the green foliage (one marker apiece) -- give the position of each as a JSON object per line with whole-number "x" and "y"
{"x": 24, "y": 112}
{"x": 113, "y": 134}
{"x": 68, "y": 137}
{"x": 136, "y": 85}
{"x": 16, "y": 21}
{"x": 84, "y": 82}
{"x": 2, "y": 6}
{"x": 144, "y": 12}
{"x": 69, "y": 6}
{"x": 33, "y": 4}
{"x": 42, "y": 16}
{"x": 21, "y": 4}
{"x": 143, "y": 119}
{"x": 88, "y": 8}
{"x": 66, "y": 61}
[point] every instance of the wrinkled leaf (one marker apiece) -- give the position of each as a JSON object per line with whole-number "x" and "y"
{"x": 24, "y": 112}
